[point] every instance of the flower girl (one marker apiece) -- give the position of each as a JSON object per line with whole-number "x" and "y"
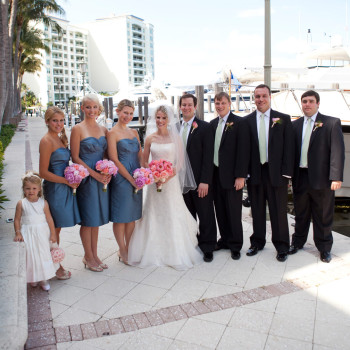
{"x": 34, "y": 225}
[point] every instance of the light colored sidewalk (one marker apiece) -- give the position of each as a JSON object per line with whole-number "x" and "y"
{"x": 253, "y": 303}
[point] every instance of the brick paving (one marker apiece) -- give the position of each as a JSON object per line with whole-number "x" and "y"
{"x": 42, "y": 333}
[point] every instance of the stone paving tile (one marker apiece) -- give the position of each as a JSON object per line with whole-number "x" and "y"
{"x": 189, "y": 310}
{"x": 128, "y": 323}
{"x": 116, "y": 326}
{"x": 75, "y": 332}
{"x": 258, "y": 294}
{"x": 88, "y": 331}
{"x": 141, "y": 320}
{"x": 227, "y": 301}
{"x": 62, "y": 334}
{"x": 201, "y": 307}
{"x": 178, "y": 312}
{"x": 211, "y": 304}
{"x": 40, "y": 338}
{"x": 166, "y": 315}
{"x": 154, "y": 318}
{"x": 102, "y": 328}
{"x": 47, "y": 347}
{"x": 38, "y": 326}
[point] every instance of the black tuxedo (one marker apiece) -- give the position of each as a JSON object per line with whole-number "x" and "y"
{"x": 266, "y": 182}
{"x": 200, "y": 153}
{"x": 233, "y": 163}
{"x": 311, "y": 187}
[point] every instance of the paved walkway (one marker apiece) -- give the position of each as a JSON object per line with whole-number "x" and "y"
{"x": 253, "y": 303}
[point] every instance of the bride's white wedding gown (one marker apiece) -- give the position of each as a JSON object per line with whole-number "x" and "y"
{"x": 166, "y": 233}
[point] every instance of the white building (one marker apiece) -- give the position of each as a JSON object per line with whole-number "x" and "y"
{"x": 121, "y": 52}
{"x": 61, "y": 75}
{"x": 118, "y": 53}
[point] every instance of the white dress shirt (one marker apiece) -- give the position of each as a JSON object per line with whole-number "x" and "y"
{"x": 267, "y": 128}
{"x": 189, "y": 126}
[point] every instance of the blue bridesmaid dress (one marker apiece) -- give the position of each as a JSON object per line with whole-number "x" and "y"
{"x": 63, "y": 205}
{"x": 126, "y": 206}
{"x": 93, "y": 202}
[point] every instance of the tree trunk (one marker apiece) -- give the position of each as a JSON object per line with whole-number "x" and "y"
{"x": 16, "y": 64}
{"x": 8, "y": 113}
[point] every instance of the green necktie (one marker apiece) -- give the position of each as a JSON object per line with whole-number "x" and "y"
{"x": 305, "y": 146}
{"x": 262, "y": 139}
{"x": 218, "y": 135}
{"x": 184, "y": 133}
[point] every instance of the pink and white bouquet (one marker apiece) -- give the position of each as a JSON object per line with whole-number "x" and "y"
{"x": 161, "y": 170}
{"x": 106, "y": 167}
{"x": 142, "y": 176}
{"x": 57, "y": 253}
{"x": 74, "y": 174}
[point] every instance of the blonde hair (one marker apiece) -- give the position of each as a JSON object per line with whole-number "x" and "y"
{"x": 93, "y": 98}
{"x": 33, "y": 177}
{"x": 162, "y": 109}
{"x": 125, "y": 103}
{"x": 49, "y": 114}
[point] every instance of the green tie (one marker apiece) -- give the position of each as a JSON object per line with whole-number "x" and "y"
{"x": 305, "y": 146}
{"x": 262, "y": 139}
{"x": 218, "y": 135}
{"x": 184, "y": 134}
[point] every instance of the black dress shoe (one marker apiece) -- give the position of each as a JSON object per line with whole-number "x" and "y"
{"x": 253, "y": 250}
{"x": 208, "y": 257}
{"x": 235, "y": 255}
{"x": 293, "y": 249}
{"x": 281, "y": 257}
{"x": 220, "y": 245}
{"x": 326, "y": 257}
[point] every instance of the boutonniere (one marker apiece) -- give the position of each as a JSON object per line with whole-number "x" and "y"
{"x": 276, "y": 121}
{"x": 194, "y": 126}
{"x": 229, "y": 126}
{"x": 317, "y": 125}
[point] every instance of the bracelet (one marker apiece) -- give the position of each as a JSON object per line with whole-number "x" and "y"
{"x": 18, "y": 231}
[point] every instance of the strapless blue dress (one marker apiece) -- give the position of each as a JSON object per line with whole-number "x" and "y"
{"x": 125, "y": 205}
{"x": 93, "y": 202}
{"x": 63, "y": 205}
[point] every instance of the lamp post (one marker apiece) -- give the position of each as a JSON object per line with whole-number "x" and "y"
{"x": 83, "y": 68}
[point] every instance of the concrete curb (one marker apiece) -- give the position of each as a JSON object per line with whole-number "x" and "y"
{"x": 13, "y": 284}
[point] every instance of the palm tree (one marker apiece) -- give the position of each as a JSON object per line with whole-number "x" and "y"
{"x": 28, "y": 10}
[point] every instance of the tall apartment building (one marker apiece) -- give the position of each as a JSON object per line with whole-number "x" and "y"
{"x": 121, "y": 52}
{"x": 61, "y": 74}
{"x": 118, "y": 53}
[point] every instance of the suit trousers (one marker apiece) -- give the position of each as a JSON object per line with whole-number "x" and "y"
{"x": 277, "y": 198}
{"x": 316, "y": 204}
{"x": 203, "y": 207}
{"x": 228, "y": 210}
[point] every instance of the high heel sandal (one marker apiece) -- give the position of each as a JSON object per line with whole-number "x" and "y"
{"x": 104, "y": 266}
{"x": 92, "y": 268}
{"x": 121, "y": 258}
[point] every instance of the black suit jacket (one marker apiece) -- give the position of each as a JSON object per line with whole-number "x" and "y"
{"x": 326, "y": 154}
{"x": 280, "y": 149}
{"x": 200, "y": 150}
{"x": 234, "y": 150}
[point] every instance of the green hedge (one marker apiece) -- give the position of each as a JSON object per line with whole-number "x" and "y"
{"x": 6, "y": 134}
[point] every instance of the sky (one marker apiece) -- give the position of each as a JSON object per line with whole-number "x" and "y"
{"x": 195, "y": 40}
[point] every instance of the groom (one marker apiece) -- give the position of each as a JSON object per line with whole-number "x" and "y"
{"x": 199, "y": 143}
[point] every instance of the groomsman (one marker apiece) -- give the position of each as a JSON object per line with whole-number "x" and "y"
{"x": 199, "y": 142}
{"x": 319, "y": 166}
{"x": 271, "y": 165}
{"x": 231, "y": 160}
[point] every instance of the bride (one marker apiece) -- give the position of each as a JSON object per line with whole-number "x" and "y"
{"x": 166, "y": 234}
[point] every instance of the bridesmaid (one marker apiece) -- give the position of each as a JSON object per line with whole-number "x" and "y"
{"x": 88, "y": 145}
{"x": 54, "y": 158}
{"x": 124, "y": 150}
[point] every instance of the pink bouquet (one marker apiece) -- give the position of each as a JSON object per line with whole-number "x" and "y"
{"x": 106, "y": 167}
{"x": 142, "y": 176}
{"x": 74, "y": 174}
{"x": 161, "y": 170}
{"x": 57, "y": 253}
